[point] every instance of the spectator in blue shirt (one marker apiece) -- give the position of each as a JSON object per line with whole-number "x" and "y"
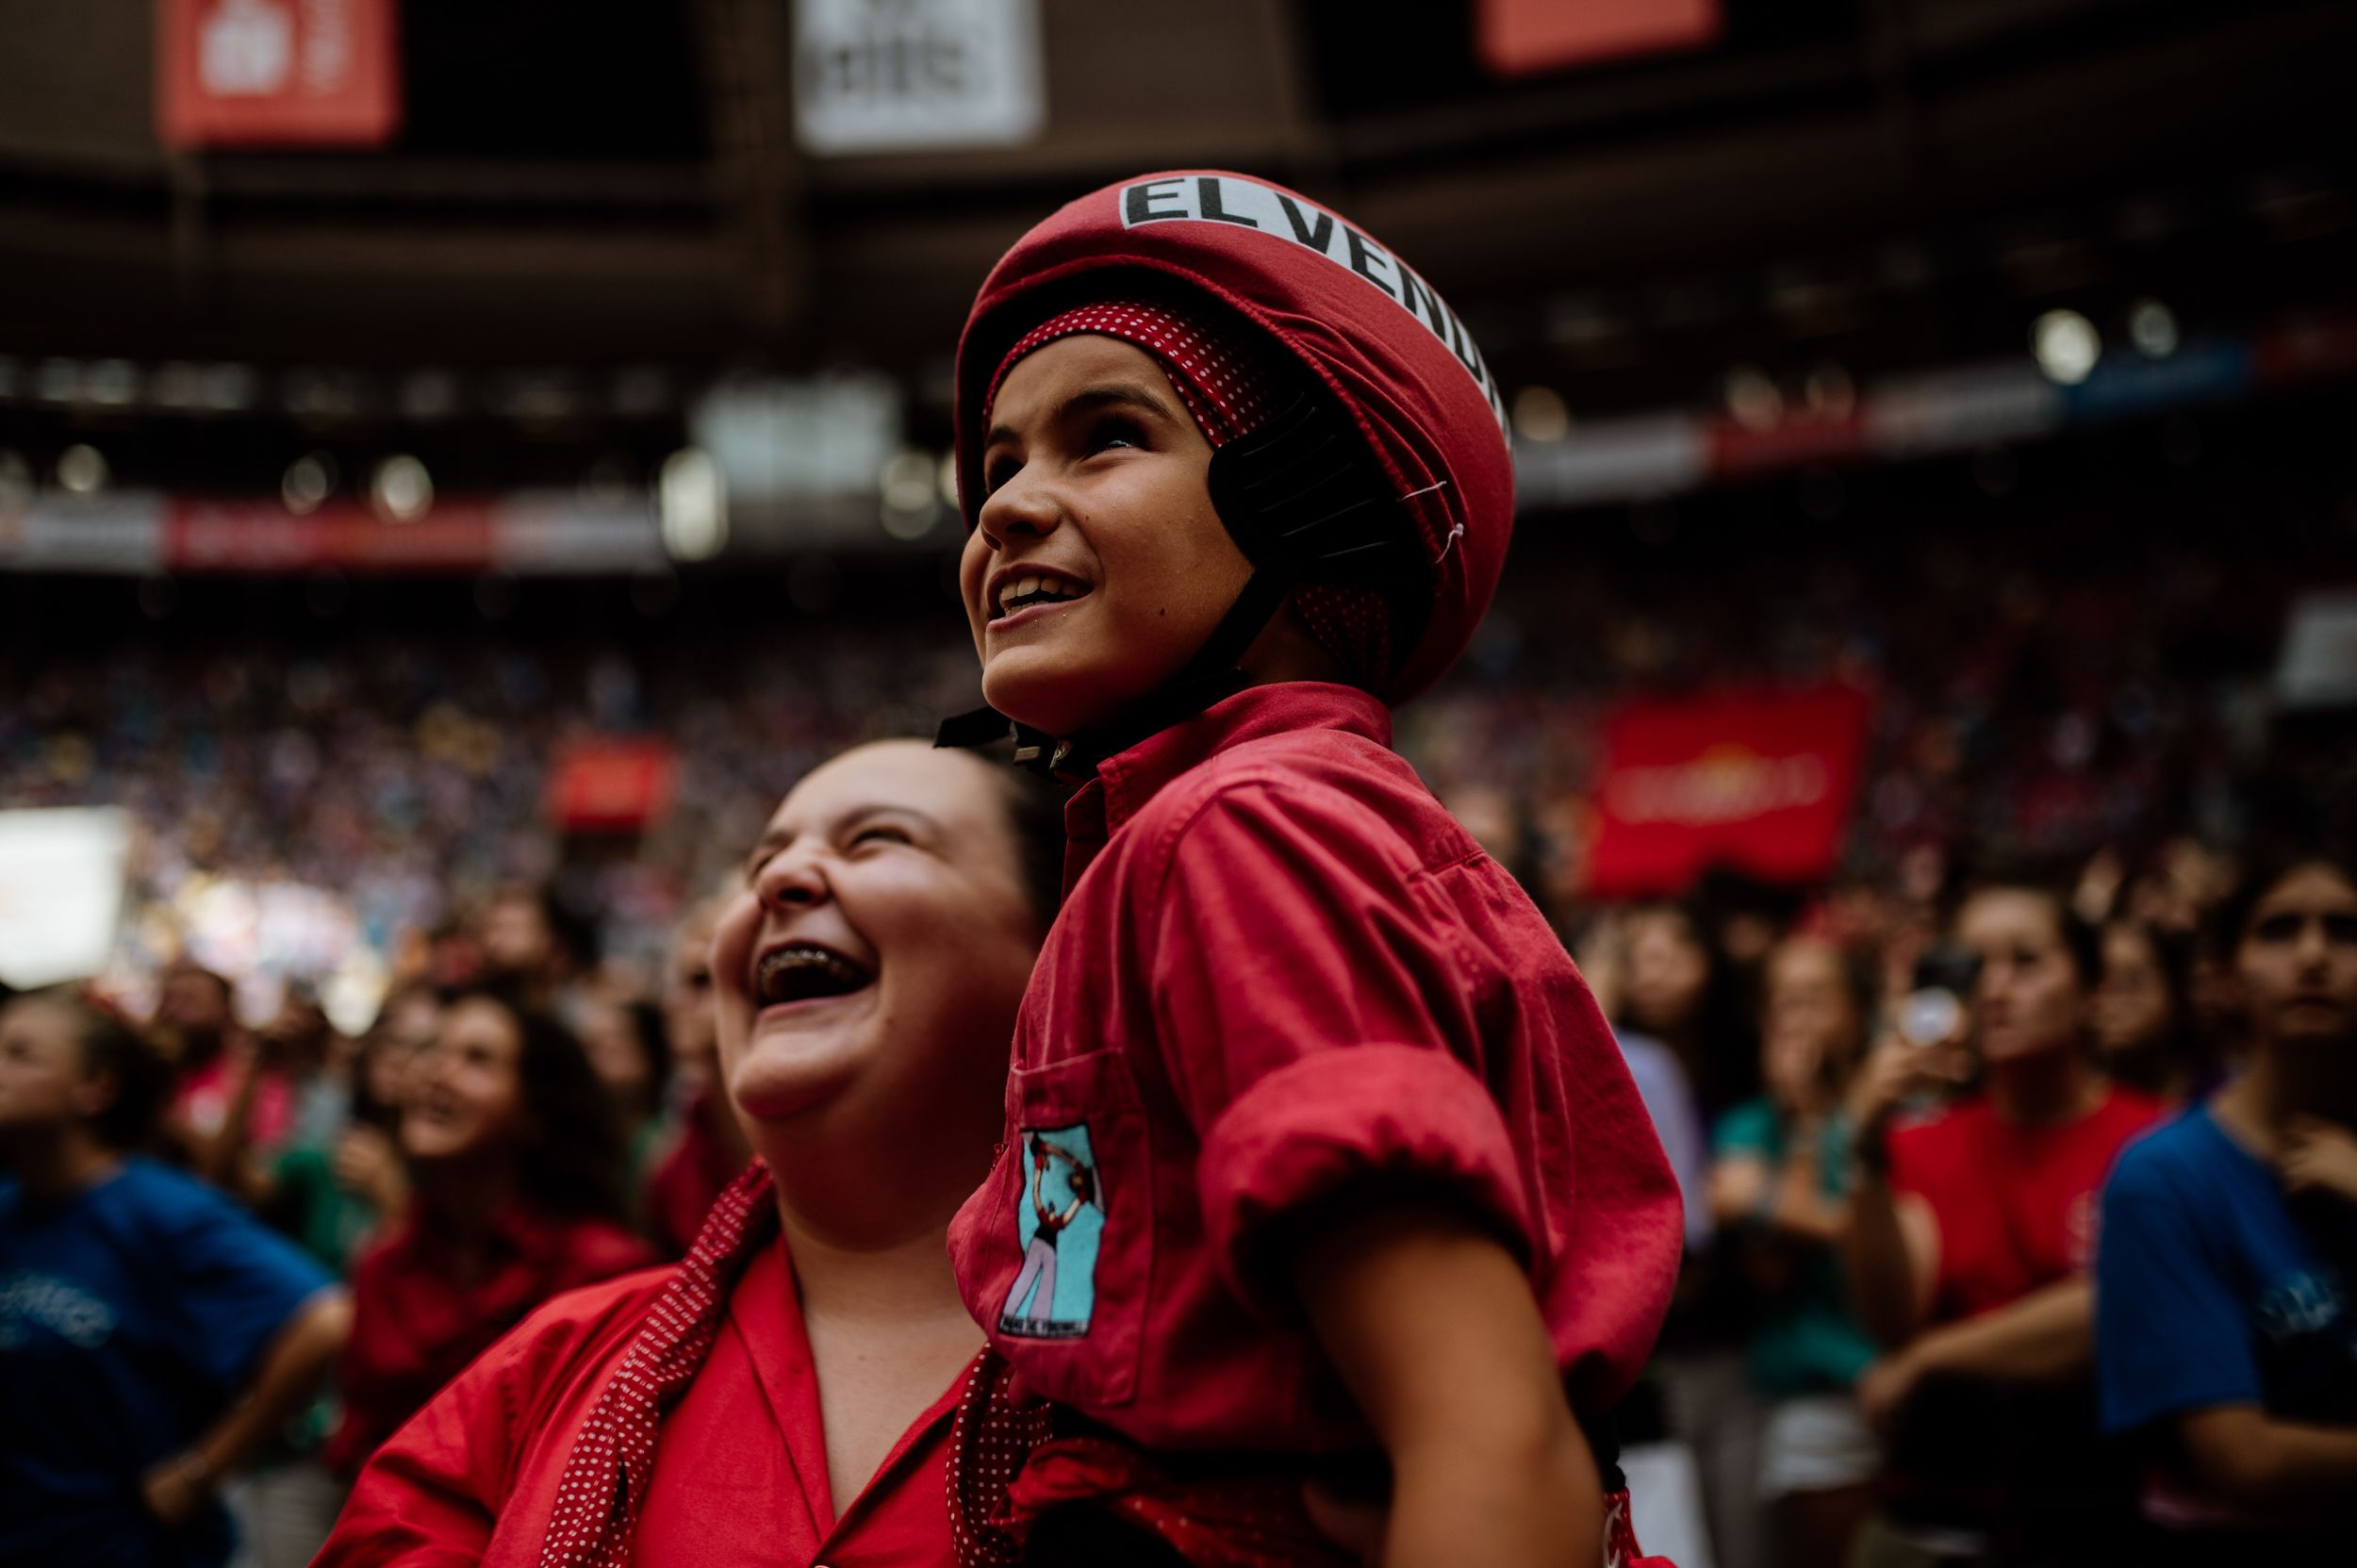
{"x": 2225, "y": 1330}
{"x": 151, "y": 1335}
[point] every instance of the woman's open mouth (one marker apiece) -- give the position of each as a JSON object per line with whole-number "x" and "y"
{"x": 805, "y": 972}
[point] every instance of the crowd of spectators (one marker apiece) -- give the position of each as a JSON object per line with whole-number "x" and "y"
{"x": 386, "y": 1059}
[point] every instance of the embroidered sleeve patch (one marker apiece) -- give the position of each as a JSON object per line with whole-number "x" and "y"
{"x": 1058, "y": 1221}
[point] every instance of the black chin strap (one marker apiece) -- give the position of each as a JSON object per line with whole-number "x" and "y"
{"x": 1213, "y": 675}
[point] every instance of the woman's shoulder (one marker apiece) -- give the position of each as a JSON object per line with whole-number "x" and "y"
{"x": 596, "y": 1248}
{"x": 582, "y": 1324}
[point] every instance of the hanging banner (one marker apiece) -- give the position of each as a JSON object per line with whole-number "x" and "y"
{"x": 276, "y": 73}
{"x": 609, "y": 784}
{"x": 1522, "y": 37}
{"x": 1762, "y": 782}
{"x": 910, "y": 75}
{"x": 60, "y": 892}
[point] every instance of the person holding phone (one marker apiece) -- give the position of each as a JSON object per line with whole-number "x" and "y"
{"x": 1967, "y": 1248}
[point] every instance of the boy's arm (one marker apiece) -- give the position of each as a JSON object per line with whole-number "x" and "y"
{"x": 1431, "y": 1323}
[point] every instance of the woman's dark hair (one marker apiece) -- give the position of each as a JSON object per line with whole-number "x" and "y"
{"x": 112, "y": 1049}
{"x": 1725, "y": 1061}
{"x": 574, "y": 1158}
{"x": 2230, "y": 920}
{"x": 1035, "y": 817}
{"x": 2081, "y": 940}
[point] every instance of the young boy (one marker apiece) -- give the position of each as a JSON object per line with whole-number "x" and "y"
{"x": 1317, "y": 1142}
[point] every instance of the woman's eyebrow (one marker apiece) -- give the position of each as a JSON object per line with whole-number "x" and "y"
{"x": 858, "y": 815}
{"x": 1116, "y": 394}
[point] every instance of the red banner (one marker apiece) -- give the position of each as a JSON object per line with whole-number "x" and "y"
{"x": 264, "y": 537}
{"x": 1522, "y": 38}
{"x": 610, "y": 786}
{"x": 276, "y": 73}
{"x": 1762, "y": 782}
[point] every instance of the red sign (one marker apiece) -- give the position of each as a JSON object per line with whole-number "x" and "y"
{"x": 276, "y": 73}
{"x": 1522, "y": 38}
{"x": 1762, "y": 782}
{"x": 610, "y": 786}
{"x": 264, "y": 537}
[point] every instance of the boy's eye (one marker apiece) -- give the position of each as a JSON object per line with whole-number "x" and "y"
{"x": 880, "y": 833}
{"x": 2278, "y": 928}
{"x": 1116, "y": 432}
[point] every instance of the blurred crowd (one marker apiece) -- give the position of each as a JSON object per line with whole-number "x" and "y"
{"x": 1899, "y": 1122}
{"x": 376, "y": 1019}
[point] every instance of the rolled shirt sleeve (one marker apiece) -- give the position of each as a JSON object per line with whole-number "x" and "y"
{"x": 1320, "y": 1014}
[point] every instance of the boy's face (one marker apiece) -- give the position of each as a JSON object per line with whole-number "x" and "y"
{"x": 1095, "y": 477}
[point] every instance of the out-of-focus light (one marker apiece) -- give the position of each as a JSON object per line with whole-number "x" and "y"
{"x": 692, "y": 501}
{"x": 81, "y": 469}
{"x": 2153, "y": 328}
{"x": 428, "y": 394}
{"x": 1752, "y": 400}
{"x": 401, "y": 489}
{"x": 16, "y": 479}
{"x": 2066, "y": 345}
{"x": 949, "y": 479}
{"x": 310, "y": 480}
{"x": 1540, "y": 415}
{"x": 226, "y": 388}
{"x": 1829, "y": 392}
{"x": 111, "y": 382}
{"x": 910, "y": 490}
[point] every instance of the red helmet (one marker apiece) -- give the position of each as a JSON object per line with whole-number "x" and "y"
{"x": 1374, "y": 333}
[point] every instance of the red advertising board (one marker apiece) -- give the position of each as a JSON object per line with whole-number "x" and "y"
{"x": 264, "y": 537}
{"x": 276, "y": 73}
{"x": 1760, "y": 782}
{"x": 1522, "y": 38}
{"x": 609, "y": 784}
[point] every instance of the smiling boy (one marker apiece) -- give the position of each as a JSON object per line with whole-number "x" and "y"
{"x": 1368, "y": 1171}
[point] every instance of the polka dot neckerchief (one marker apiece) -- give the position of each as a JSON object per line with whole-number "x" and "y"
{"x": 604, "y": 1482}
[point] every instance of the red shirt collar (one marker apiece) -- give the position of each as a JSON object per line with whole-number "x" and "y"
{"x": 1126, "y": 780}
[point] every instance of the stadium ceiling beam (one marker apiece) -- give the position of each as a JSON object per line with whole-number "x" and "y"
{"x": 747, "y": 59}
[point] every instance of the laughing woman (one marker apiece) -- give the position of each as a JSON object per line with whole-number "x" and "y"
{"x": 785, "y": 1395}
{"x": 517, "y": 1168}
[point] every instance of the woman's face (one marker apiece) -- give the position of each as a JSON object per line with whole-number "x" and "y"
{"x": 609, "y": 1038}
{"x": 1667, "y": 971}
{"x": 2297, "y": 962}
{"x": 43, "y": 1086}
{"x": 2130, "y": 1010}
{"x": 2029, "y": 997}
{"x": 1809, "y": 1020}
{"x": 688, "y": 1016}
{"x": 466, "y": 1089}
{"x": 1097, "y": 492}
{"x": 872, "y": 966}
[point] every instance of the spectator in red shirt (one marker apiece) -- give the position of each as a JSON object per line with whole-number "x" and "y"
{"x": 1969, "y": 1242}
{"x": 1337, "y": 1160}
{"x": 708, "y": 1145}
{"x": 515, "y": 1168}
{"x": 786, "y": 1395}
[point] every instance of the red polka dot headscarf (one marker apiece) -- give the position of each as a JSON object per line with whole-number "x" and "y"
{"x": 1231, "y": 385}
{"x": 1286, "y": 284}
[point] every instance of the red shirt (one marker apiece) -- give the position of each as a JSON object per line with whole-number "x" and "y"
{"x": 740, "y": 1468}
{"x": 416, "y": 1323}
{"x": 685, "y": 1181}
{"x": 1281, "y": 967}
{"x": 2016, "y": 1205}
